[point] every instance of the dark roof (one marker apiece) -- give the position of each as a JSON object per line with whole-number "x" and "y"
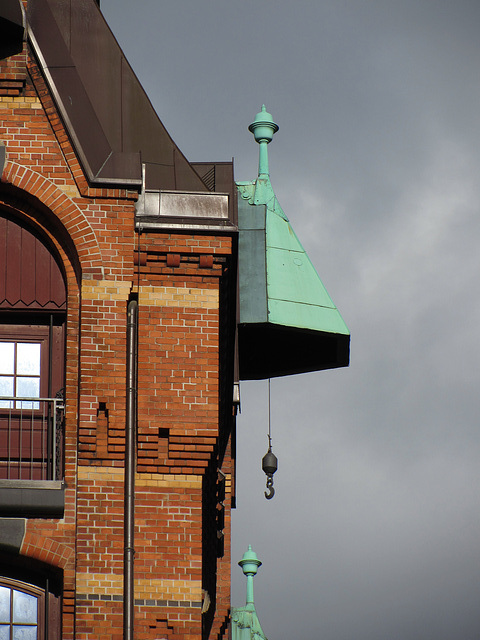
{"x": 109, "y": 117}
{"x": 11, "y": 28}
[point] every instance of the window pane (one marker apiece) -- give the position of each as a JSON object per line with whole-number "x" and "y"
{"x": 24, "y": 607}
{"x": 28, "y": 387}
{"x": 6, "y": 357}
{"x": 4, "y": 632}
{"x": 4, "y": 605}
{"x": 6, "y": 389}
{"x": 28, "y": 358}
{"x": 24, "y": 633}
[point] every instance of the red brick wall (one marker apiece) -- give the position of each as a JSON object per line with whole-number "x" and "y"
{"x": 182, "y": 431}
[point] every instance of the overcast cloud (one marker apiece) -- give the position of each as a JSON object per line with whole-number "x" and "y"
{"x": 374, "y": 531}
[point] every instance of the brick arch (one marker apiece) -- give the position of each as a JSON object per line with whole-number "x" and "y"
{"x": 64, "y": 209}
{"x": 48, "y": 551}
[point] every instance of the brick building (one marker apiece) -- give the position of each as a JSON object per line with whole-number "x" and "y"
{"x": 118, "y": 347}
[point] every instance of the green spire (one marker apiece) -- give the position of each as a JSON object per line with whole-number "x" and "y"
{"x": 245, "y": 623}
{"x": 250, "y": 564}
{"x": 263, "y": 128}
{"x": 288, "y": 322}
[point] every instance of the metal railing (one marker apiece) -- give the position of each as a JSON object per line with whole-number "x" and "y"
{"x": 31, "y": 438}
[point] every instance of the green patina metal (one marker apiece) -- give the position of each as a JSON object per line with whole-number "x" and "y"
{"x": 288, "y": 322}
{"x": 245, "y": 623}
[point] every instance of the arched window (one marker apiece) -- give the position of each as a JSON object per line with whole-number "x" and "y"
{"x": 30, "y": 599}
{"x": 21, "y": 611}
{"x": 32, "y": 335}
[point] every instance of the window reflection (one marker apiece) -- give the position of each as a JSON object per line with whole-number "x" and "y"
{"x": 28, "y": 358}
{"x": 4, "y": 604}
{"x": 6, "y": 357}
{"x": 18, "y": 615}
{"x": 24, "y": 633}
{"x": 4, "y": 632}
{"x": 6, "y": 389}
{"x": 28, "y": 388}
{"x": 24, "y": 607}
{"x": 20, "y": 373}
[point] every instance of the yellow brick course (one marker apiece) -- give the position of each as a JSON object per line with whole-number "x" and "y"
{"x": 169, "y": 589}
{"x": 100, "y": 584}
{"x": 162, "y": 480}
{"x": 179, "y": 297}
{"x": 165, "y": 481}
{"x": 20, "y": 102}
{"x": 100, "y": 474}
{"x": 106, "y": 289}
{"x": 111, "y": 584}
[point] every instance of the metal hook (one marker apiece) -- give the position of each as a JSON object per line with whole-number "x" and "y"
{"x": 271, "y": 491}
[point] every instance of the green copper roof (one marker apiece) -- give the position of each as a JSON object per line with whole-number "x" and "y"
{"x": 245, "y": 623}
{"x": 288, "y": 322}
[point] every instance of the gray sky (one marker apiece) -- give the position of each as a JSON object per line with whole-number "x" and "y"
{"x": 374, "y": 531}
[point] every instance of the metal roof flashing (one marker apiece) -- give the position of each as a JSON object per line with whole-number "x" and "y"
{"x": 203, "y": 210}
{"x": 288, "y": 322}
{"x": 112, "y": 123}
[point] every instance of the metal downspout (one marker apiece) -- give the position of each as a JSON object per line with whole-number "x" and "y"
{"x": 130, "y": 458}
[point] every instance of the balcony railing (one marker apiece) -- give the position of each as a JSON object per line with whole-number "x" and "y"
{"x": 31, "y": 438}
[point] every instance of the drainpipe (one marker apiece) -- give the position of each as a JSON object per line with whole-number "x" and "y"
{"x": 130, "y": 460}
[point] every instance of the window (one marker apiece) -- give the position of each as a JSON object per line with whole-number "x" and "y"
{"x": 32, "y": 336}
{"x": 20, "y": 373}
{"x": 31, "y": 366}
{"x": 30, "y": 599}
{"x": 19, "y": 611}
